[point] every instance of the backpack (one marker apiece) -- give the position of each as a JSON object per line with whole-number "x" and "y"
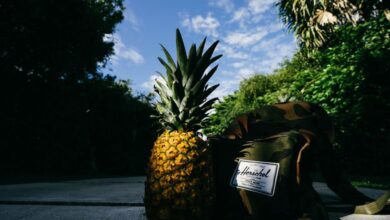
{"x": 272, "y": 127}
{"x": 236, "y": 161}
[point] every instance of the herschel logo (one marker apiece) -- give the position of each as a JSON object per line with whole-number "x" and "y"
{"x": 260, "y": 173}
{"x": 256, "y": 176}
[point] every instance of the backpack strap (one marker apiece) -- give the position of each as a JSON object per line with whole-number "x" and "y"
{"x": 309, "y": 136}
{"x": 375, "y": 206}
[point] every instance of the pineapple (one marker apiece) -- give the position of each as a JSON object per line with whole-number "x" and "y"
{"x": 179, "y": 181}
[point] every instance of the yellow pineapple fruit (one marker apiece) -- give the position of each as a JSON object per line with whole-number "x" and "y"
{"x": 179, "y": 181}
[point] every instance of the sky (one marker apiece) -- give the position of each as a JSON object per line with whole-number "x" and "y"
{"x": 252, "y": 39}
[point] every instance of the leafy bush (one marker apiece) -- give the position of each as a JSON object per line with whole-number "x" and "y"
{"x": 347, "y": 77}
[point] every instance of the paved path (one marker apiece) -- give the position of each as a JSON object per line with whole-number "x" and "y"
{"x": 105, "y": 198}
{"x": 335, "y": 206}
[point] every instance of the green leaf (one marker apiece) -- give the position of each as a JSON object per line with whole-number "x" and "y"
{"x": 177, "y": 76}
{"x": 167, "y": 67}
{"x": 169, "y": 57}
{"x": 208, "y": 76}
{"x": 174, "y": 108}
{"x": 203, "y": 81}
{"x": 192, "y": 59}
{"x": 181, "y": 51}
{"x": 212, "y": 60}
{"x": 200, "y": 48}
{"x": 203, "y": 63}
{"x": 208, "y": 105}
{"x": 178, "y": 93}
{"x": 167, "y": 81}
{"x": 207, "y": 92}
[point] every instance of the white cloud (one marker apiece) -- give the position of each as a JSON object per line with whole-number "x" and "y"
{"x": 275, "y": 26}
{"x": 122, "y": 52}
{"x": 245, "y": 73}
{"x": 244, "y": 39}
{"x": 129, "y": 16}
{"x": 252, "y": 40}
{"x": 281, "y": 51}
{"x": 274, "y": 54}
{"x": 132, "y": 55}
{"x": 238, "y": 64}
{"x": 200, "y": 24}
{"x": 253, "y": 12}
{"x": 267, "y": 65}
{"x": 226, "y": 86}
{"x": 227, "y": 5}
{"x": 267, "y": 44}
{"x": 230, "y": 52}
{"x": 241, "y": 16}
{"x": 257, "y": 18}
{"x": 260, "y": 6}
{"x": 150, "y": 83}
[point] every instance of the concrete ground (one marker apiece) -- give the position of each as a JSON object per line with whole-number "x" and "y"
{"x": 107, "y": 198}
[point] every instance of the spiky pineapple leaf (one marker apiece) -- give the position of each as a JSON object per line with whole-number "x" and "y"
{"x": 181, "y": 54}
{"x": 208, "y": 76}
{"x": 192, "y": 59}
{"x": 177, "y": 75}
{"x": 199, "y": 51}
{"x": 169, "y": 57}
{"x": 177, "y": 93}
{"x": 186, "y": 101}
{"x": 203, "y": 63}
{"x": 212, "y": 60}
{"x": 184, "y": 91}
{"x": 167, "y": 67}
{"x": 208, "y": 91}
{"x": 203, "y": 81}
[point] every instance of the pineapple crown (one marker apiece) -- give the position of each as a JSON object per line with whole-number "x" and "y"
{"x": 184, "y": 90}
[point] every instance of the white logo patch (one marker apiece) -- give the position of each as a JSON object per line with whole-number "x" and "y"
{"x": 256, "y": 176}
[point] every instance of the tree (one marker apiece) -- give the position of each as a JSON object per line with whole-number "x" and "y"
{"x": 56, "y": 40}
{"x": 60, "y": 114}
{"x": 253, "y": 92}
{"x": 253, "y": 87}
{"x": 225, "y": 111}
{"x": 314, "y": 21}
{"x": 347, "y": 71}
{"x": 347, "y": 78}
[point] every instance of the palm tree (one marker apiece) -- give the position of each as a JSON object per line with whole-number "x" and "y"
{"x": 312, "y": 21}
{"x": 371, "y": 8}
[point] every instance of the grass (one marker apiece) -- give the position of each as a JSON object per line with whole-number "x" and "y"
{"x": 374, "y": 182}
{"x": 371, "y": 182}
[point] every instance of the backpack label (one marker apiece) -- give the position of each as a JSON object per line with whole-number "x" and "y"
{"x": 256, "y": 176}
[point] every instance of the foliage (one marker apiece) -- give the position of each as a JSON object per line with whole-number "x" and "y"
{"x": 349, "y": 82}
{"x": 59, "y": 113}
{"x": 314, "y": 22}
{"x": 371, "y": 182}
{"x": 51, "y": 40}
{"x": 347, "y": 77}
{"x": 253, "y": 92}
{"x": 224, "y": 112}
{"x": 257, "y": 86}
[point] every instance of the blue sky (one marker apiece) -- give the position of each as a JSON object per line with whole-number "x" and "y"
{"x": 252, "y": 38}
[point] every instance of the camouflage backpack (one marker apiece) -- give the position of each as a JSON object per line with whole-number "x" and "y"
{"x": 297, "y": 136}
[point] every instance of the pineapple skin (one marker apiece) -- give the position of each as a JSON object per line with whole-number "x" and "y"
{"x": 179, "y": 181}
